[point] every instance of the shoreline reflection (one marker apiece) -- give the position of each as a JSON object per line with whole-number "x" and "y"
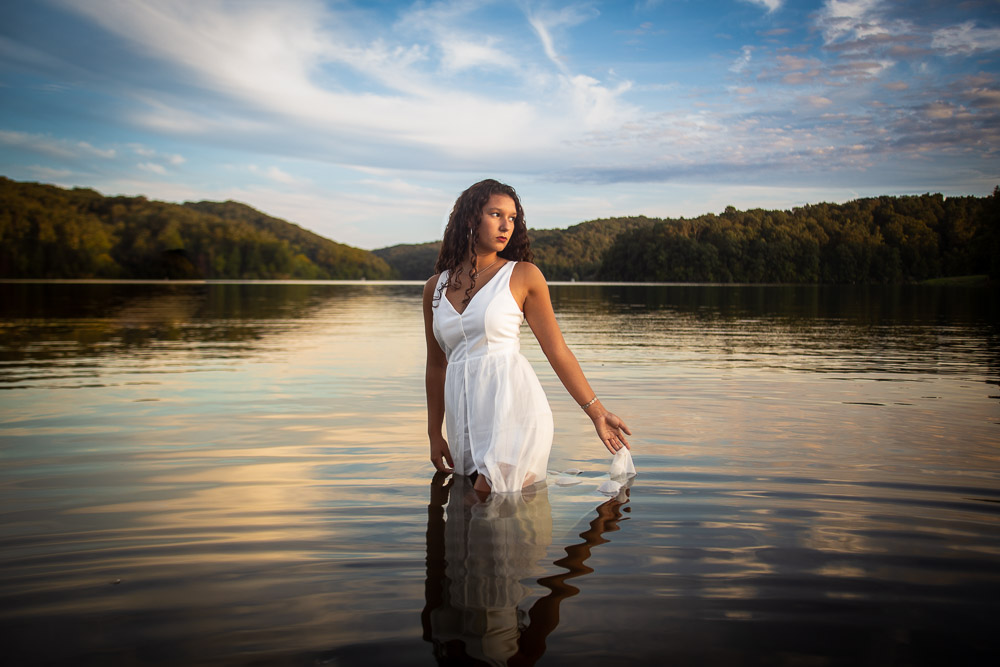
{"x": 479, "y": 556}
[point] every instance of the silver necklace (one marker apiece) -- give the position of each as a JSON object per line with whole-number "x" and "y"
{"x": 476, "y": 273}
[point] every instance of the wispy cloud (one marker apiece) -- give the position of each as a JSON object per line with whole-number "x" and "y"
{"x": 769, "y": 5}
{"x": 37, "y": 143}
{"x": 740, "y": 64}
{"x": 282, "y": 59}
{"x": 152, "y": 167}
{"x": 546, "y": 22}
{"x": 172, "y": 159}
{"x": 50, "y": 174}
{"x": 375, "y": 107}
{"x": 966, "y": 38}
{"x": 818, "y": 101}
{"x": 460, "y": 55}
{"x": 60, "y": 148}
{"x": 276, "y": 174}
{"x": 851, "y": 20}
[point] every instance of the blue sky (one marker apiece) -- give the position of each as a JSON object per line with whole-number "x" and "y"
{"x": 364, "y": 120}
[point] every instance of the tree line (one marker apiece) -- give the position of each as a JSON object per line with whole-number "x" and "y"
{"x": 873, "y": 240}
{"x": 51, "y": 232}
{"x": 866, "y": 241}
{"x": 574, "y": 253}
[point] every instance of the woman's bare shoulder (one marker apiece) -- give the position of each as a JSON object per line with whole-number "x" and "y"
{"x": 528, "y": 274}
{"x": 431, "y": 285}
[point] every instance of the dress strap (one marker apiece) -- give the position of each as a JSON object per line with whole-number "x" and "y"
{"x": 509, "y": 273}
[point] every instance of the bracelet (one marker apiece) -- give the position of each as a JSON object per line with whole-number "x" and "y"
{"x": 589, "y": 403}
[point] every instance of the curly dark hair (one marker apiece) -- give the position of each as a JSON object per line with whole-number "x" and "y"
{"x": 463, "y": 227}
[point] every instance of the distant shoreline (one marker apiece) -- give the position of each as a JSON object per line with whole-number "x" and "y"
{"x": 960, "y": 281}
{"x": 223, "y": 281}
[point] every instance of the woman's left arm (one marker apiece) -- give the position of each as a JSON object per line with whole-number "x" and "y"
{"x": 530, "y": 290}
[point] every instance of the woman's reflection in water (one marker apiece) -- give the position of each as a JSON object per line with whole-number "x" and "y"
{"x": 477, "y": 561}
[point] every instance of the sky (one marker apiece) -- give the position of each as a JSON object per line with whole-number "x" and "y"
{"x": 363, "y": 121}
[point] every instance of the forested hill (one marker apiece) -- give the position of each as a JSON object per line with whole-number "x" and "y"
{"x": 577, "y": 252}
{"x": 411, "y": 261}
{"x": 574, "y": 253}
{"x": 874, "y": 240}
{"x": 51, "y": 232}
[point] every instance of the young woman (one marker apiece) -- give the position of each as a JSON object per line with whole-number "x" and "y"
{"x": 498, "y": 419}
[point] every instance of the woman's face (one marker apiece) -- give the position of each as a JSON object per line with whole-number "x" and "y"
{"x": 496, "y": 224}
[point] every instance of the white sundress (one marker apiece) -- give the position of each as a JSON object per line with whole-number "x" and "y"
{"x": 498, "y": 420}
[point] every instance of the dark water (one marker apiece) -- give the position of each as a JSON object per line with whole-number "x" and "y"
{"x": 235, "y": 474}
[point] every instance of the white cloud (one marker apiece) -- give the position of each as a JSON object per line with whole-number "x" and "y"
{"x": 49, "y": 173}
{"x": 965, "y": 39}
{"x": 597, "y": 105}
{"x": 37, "y": 143}
{"x": 422, "y": 96}
{"x": 273, "y": 173}
{"x": 985, "y": 98}
{"x": 268, "y": 59}
{"x": 545, "y": 22}
{"x": 459, "y": 55}
{"x": 86, "y": 148}
{"x": 769, "y": 5}
{"x": 13, "y": 51}
{"x": 940, "y": 110}
{"x": 280, "y": 176}
{"x": 152, "y": 167}
{"x": 145, "y": 151}
{"x": 743, "y": 60}
{"x": 400, "y": 186}
{"x": 818, "y": 101}
{"x": 57, "y": 148}
{"x": 791, "y": 63}
{"x": 542, "y": 30}
{"x": 139, "y": 149}
{"x": 850, "y": 20}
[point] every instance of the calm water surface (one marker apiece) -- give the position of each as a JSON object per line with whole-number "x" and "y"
{"x": 236, "y": 474}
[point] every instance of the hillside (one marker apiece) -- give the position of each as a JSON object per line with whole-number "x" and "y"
{"x": 577, "y": 252}
{"x": 411, "y": 261}
{"x": 877, "y": 240}
{"x": 574, "y": 253}
{"x": 51, "y": 232}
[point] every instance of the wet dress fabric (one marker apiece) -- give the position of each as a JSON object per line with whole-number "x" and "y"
{"x": 496, "y": 415}
{"x": 491, "y": 549}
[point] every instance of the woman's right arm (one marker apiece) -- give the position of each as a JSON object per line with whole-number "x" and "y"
{"x": 434, "y": 375}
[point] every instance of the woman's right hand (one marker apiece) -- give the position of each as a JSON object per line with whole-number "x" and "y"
{"x": 609, "y": 429}
{"x": 441, "y": 455}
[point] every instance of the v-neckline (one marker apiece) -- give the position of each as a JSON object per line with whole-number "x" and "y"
{"x": 462, "y": 312}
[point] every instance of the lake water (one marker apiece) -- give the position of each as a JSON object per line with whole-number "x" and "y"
{"x": 237, "y": 474}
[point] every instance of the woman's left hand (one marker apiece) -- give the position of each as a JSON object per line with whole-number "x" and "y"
{"x": 609, "y": 429}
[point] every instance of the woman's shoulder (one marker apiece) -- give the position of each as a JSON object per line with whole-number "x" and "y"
{"x": 528, "y": 272}
{"x": 526, "y": 277}
{"x": 431, "y": 284}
